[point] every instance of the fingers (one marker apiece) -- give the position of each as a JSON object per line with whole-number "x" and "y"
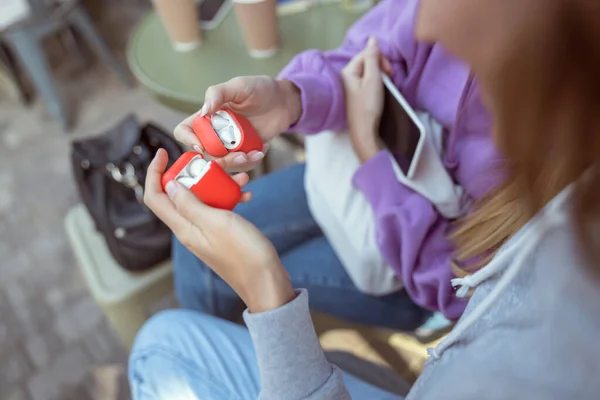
{"x": 236, "y": 162}
{"x": 368, "y": 62}
{"x": 185, "y": 134}
{"x": 265, "y": 149}
{"x": 232, "y": 91}
{"x": 180, "y": 210}
{"x": 371, "y": 63}
{"x": 246, "y": 197}
{"x": 355, "y": 67}
{"x": 241, "y": 179}
{"x": 233, "y": 162}
{"x": 155, "y": 198}
{"x": 195, "y": 211}
{"x": 216, "y": 96}
{"x": 385, "y": 65}
{"x": 241, "y": 162}
{"x": 189, "y": 207}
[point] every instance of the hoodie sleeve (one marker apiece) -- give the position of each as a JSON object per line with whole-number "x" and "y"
{"x": 411, "y": 236}
{"x": 291, "y": 362}
{"x": 317, "y": 73}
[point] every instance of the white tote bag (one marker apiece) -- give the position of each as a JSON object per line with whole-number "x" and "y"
{"x": 343, "y": 213}
{"x": 346, "y": 217}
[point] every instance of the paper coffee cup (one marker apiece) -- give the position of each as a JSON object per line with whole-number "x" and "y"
{"x": 181, "y": 21}
{"x": 259, "y": 24}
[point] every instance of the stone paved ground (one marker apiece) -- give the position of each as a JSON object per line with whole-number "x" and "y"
{"x": 54, "y": 341}
{"x": 51, "y": 332}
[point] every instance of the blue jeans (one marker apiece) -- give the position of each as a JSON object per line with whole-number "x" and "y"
{"x": 185, "y": 355}
{"x": 279, "y": 209}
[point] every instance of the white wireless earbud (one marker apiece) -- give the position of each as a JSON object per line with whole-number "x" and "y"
{"x": 227, "y": 135}
{"x": 195, "y": 167}
{"x": 226, "y": 129}
{"x": 186, "y": 181}
{"x": 218, "y": 122}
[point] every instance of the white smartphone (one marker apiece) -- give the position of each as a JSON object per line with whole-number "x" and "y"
{"x": 400, "y": 129}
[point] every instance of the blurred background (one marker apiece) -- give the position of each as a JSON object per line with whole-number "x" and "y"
{"x": 71, "y": 70}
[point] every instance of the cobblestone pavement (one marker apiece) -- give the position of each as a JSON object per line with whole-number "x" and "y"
{"x": 54, "y": 340}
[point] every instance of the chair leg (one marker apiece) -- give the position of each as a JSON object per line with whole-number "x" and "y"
{"x": 72, "y": 44}
{"x": 33, "y": 59}
{"x": 11, "y": 64}
{"x": 82, "y": 22}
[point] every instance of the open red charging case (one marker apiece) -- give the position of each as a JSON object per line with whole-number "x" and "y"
{"x": 206, "y": 179}
{"x": 247, "y": 140}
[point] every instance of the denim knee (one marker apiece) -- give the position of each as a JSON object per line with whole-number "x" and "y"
{"x": 159, "y": 366}
{"x": 163, "y": 339}
{"x": 161, "y": 329}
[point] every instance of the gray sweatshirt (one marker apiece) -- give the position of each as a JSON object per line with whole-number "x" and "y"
{"x": 529, "y": 331}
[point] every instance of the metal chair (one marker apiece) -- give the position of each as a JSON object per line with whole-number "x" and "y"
{"x": 9, "y": 66}
{"x": 25, "y": 38}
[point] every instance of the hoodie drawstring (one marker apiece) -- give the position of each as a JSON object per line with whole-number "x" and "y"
{"x": 539, "y": 227}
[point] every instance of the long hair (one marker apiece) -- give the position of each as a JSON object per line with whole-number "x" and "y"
{"x": 545, "y": 101}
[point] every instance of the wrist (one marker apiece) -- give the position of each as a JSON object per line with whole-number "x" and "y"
{"x": 366, "y": 145}
{"x": 268, "y": 290}
{"x": 292, "y": 100}
{"x": 367, "y": 153}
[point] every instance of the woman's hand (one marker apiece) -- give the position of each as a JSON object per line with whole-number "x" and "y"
{"x": 230, "y": 245}
{"x": 270, "y": 105}
{"x": 364, "y": 98}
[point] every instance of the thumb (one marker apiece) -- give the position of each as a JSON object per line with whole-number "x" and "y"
{"x": 188, "y": 205}
{"x": 233, "y": 91}
{"x": 385, "y": 65}
{"x": 372, "y": 59}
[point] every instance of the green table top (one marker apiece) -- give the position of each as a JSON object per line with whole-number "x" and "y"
{"x": 180, "y": 80}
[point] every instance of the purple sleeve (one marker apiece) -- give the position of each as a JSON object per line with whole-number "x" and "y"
{"x": 317, "y": 73}
{"x": 411, "y": 235}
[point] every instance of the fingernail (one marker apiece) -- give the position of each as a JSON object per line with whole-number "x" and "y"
{"x": 372, "y": 40}
{"x": 205, "y": 108}
{"x": 171, "y": 188}
{"x": 197, "y": 148}
{"x": 241, "y": 159}
{"x": 259, "y": 155}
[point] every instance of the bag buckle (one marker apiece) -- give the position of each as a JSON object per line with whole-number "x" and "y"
{"x": 126, "y": 176}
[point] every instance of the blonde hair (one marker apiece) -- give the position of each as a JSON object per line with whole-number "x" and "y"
{"x": 545, "y": 100}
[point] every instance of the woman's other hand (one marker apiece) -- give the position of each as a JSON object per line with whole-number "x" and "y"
{"x": 230, "y": 245}
{"x": 364, "y": 92}
{"x": 270, "y": 105}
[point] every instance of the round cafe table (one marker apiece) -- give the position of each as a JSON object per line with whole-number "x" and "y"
{"x": 179, "y": 80}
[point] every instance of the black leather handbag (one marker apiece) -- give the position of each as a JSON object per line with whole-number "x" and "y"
{"x": 110, "y": 171}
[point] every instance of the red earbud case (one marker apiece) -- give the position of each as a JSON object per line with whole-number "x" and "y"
{"x": 206, "y": 179}
{"x": 226, "y": 132}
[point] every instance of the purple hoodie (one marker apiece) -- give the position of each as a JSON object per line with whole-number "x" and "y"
{"x": 411, "y": 234}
